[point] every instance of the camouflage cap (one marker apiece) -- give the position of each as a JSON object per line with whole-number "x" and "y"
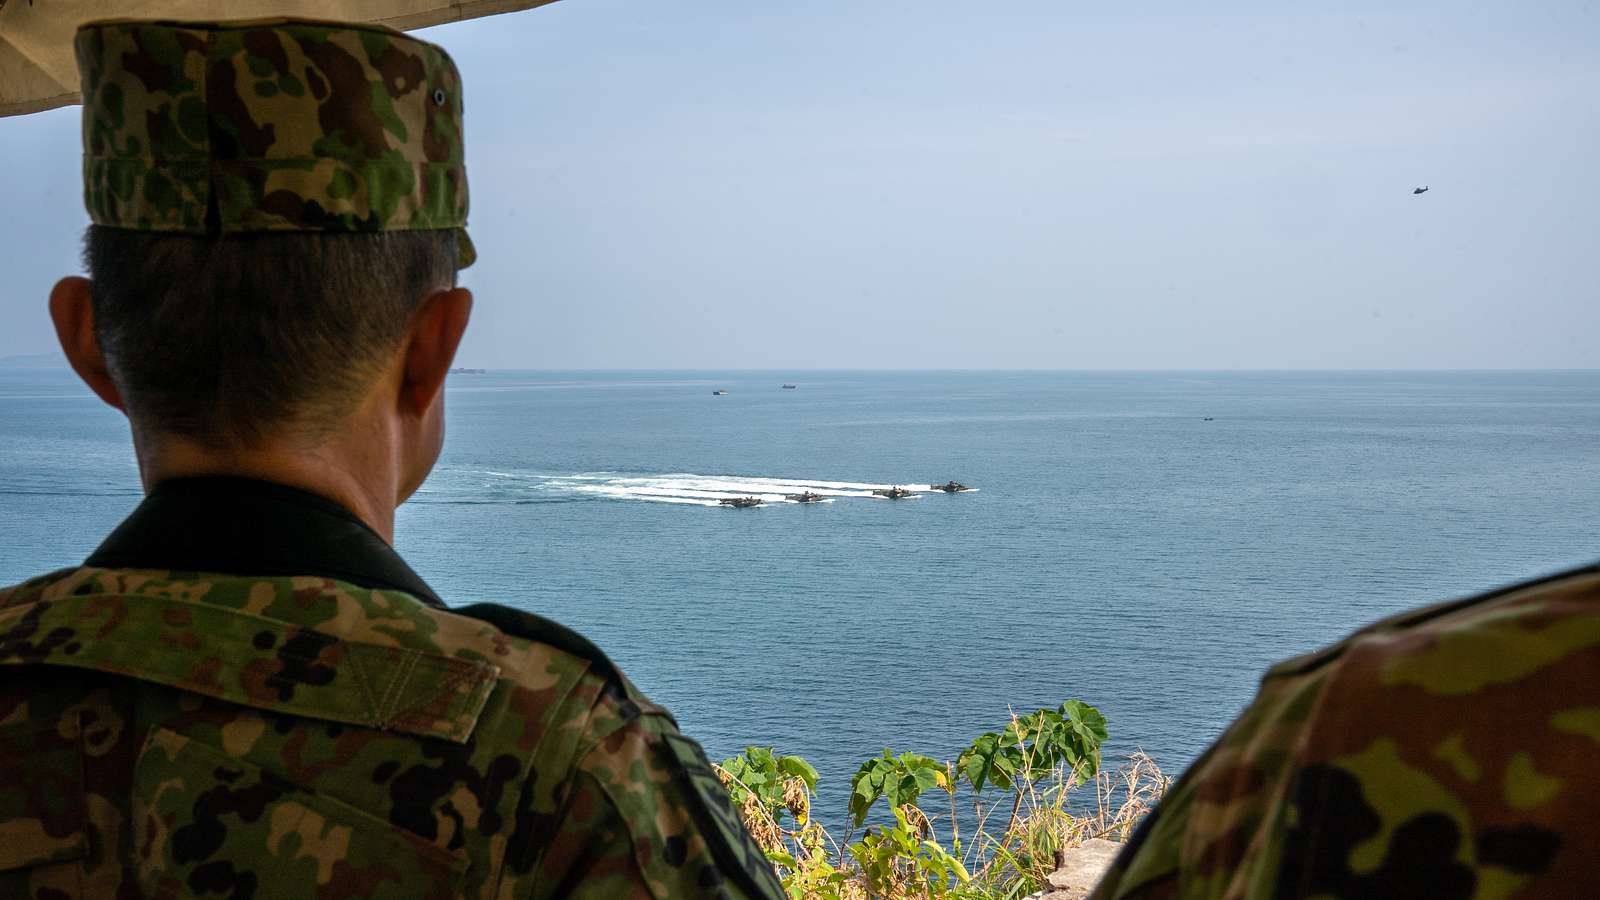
{"x": 270, "y": 125}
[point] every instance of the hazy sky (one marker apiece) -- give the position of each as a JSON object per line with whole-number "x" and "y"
{"x": 1050, "y": 184}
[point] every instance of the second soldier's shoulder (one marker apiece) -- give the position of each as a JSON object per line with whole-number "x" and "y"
{"x": 1222, "y": 824}
{"x": 1574, "y": 592}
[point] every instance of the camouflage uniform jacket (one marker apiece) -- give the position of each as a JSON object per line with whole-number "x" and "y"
{"x": 322, "y": 728}
{"x": 1445, "y": 753}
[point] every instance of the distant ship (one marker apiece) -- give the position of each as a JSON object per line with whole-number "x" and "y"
{"x": 951, "y": 487}
{"x": 741, "y": 502}
{"x": 805, "y": 497}
{"x": 460, "y": 371}
{"x": 893, "y": 493}
{"x": 788, "y": 387}
{"x": 718, "y": 393}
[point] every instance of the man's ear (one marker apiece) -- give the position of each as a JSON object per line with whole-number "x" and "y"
{"x": 72, "y": 311}
{"x": 436, "y": 331}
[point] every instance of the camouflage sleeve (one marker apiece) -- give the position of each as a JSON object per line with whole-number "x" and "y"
{"x": 644, "y": 817}
{"x": 1445, "y": 753}
{"x": 1204, "y": 840}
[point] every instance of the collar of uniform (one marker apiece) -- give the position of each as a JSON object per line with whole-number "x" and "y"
{"x": 241, "y": 526}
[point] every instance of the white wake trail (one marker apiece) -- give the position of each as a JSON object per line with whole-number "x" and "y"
{"x": 701, "y": 490}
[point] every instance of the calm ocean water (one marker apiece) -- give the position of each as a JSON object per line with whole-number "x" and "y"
{"x": 1121, "y": 549}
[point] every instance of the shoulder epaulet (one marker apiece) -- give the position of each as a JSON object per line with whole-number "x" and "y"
{"x": 27, "y": 591}
{"x": 533, "y": 627}
{"x": 1413, "y": 618}
{"x": 192, "y": 636}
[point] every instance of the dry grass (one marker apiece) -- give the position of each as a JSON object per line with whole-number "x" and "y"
{"x": 1041, "y": 823}
{"x": 1124, "y": 795}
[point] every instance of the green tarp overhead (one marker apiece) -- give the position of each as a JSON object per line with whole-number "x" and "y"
{"x": 37, "y": 71}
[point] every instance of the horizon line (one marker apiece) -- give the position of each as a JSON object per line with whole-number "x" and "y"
{"x": 64, "y": 367}
{"x": 914, "y": 369}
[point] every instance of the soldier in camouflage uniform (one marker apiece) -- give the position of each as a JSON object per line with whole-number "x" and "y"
{"x": 1448, "y": 753}
{"x": 245, "y": 692}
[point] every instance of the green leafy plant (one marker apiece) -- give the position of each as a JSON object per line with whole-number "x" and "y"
{"x": 897, "y": 861}
{"x": 1035, "y": 761}
{"x": 810, "y": 879}
{"x": 900, "y": 779}
{"x": 761, "y": 774}
{"x": 1035, "y": 745}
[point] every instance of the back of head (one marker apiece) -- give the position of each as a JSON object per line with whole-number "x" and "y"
{"x": 225, "y": 340}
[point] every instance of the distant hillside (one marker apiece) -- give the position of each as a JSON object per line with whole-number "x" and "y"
{"x": 34, "y": 361}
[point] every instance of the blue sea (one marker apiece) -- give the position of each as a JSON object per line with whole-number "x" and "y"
{"x": 1145, "y": 542}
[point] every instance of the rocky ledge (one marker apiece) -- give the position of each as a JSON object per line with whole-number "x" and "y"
{"x": 1080, "y": 870}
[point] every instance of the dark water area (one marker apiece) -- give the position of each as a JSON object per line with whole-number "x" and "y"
{"x": 1146, "y": 542}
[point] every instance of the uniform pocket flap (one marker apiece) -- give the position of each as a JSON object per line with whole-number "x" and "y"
{"x": 42, "y": 808}
{"x": 206, "y": 821}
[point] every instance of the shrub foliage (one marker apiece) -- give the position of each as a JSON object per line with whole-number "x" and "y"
{"x": 1027, "y": 771}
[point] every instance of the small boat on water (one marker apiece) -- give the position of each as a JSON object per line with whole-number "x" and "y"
{"x": 893, "y": 493}
{"x": 741, "y": 502}
{"x": 789, "y": 387}
{"x": 718, "y": 393}
{"x": 804, "y": 497}
{"x": 951, "y": 487}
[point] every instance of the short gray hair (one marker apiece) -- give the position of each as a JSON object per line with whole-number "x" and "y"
{"x": 233, "y": 339}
